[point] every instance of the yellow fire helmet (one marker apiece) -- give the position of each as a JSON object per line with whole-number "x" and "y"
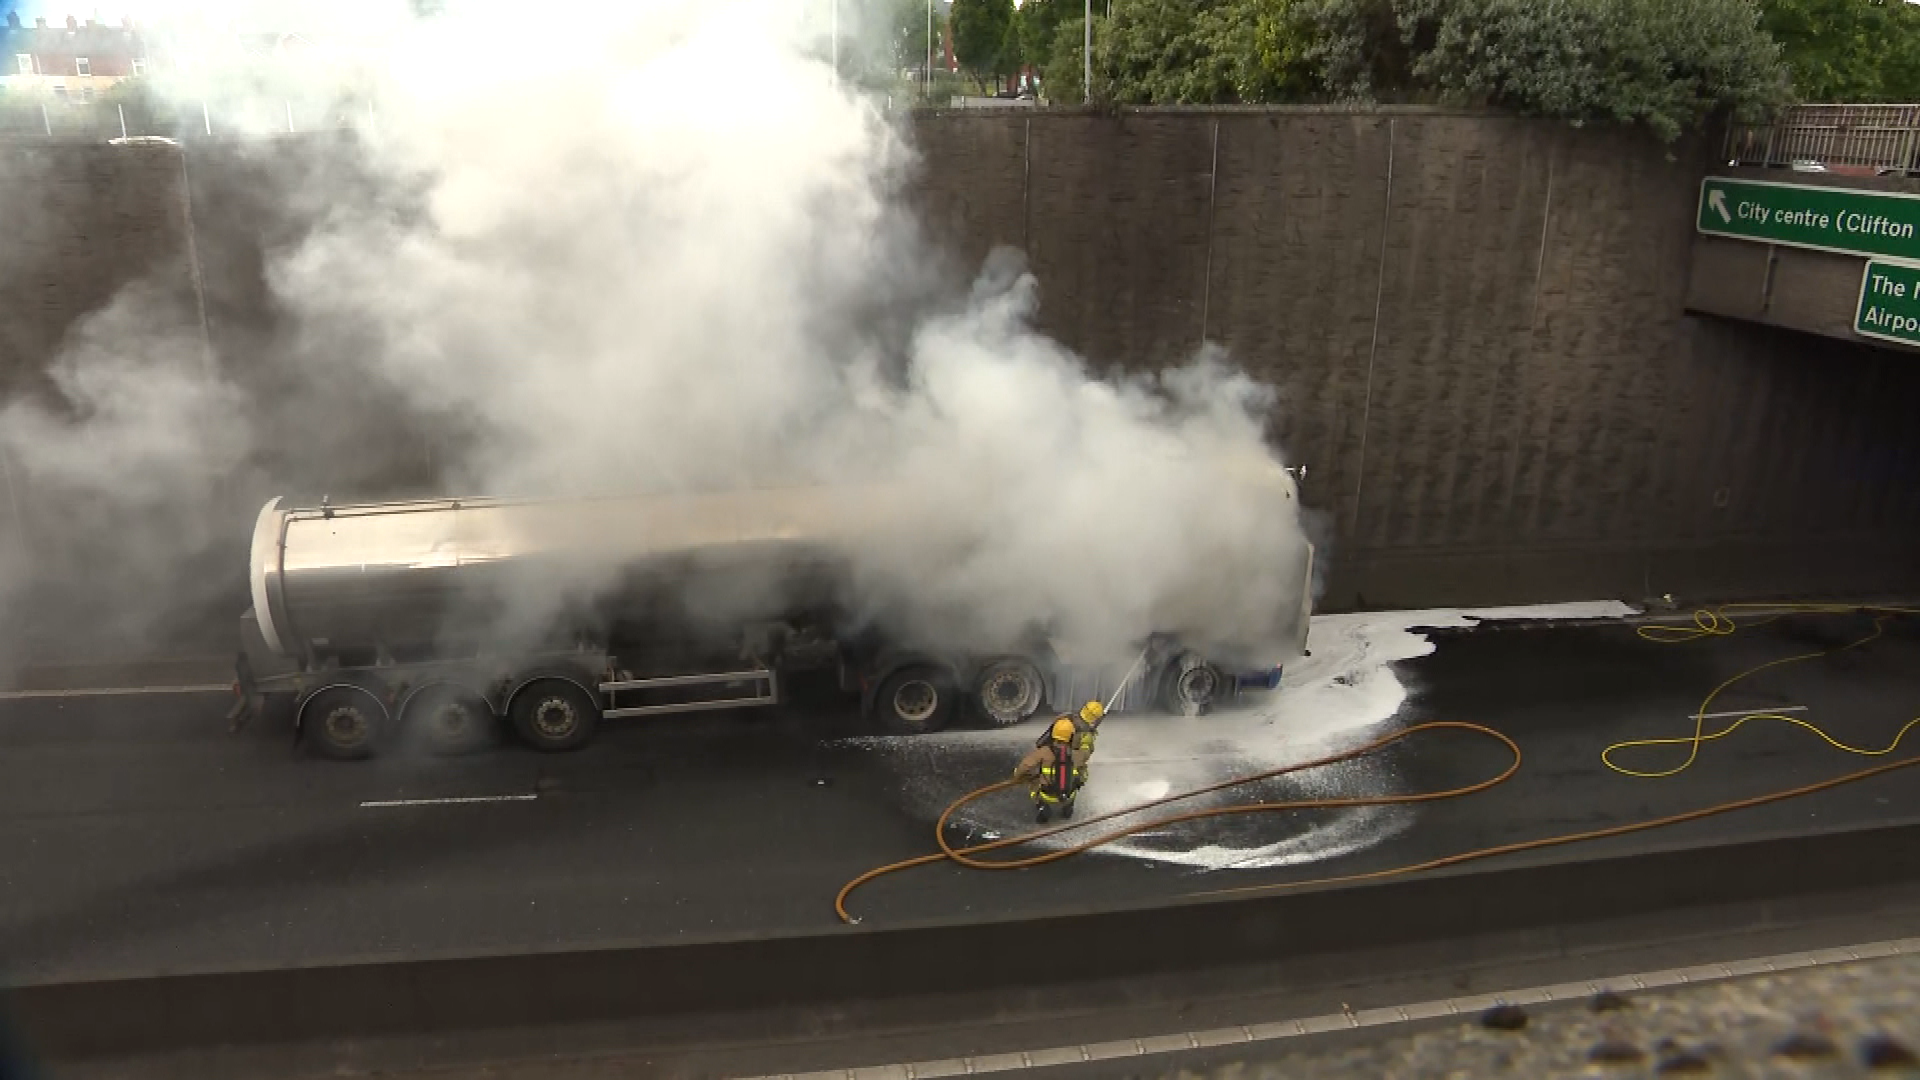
{"x": 1062, "y": 730}
{"x": 1092, "y": 711}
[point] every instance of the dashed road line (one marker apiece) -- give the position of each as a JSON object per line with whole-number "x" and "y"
{"x": 115, "y": 691}
{"x": 1755, "y": 711}
{"x": 382, "y": 804}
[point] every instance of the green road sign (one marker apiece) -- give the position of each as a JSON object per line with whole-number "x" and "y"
{"x": 1844, "y": 220}
{"x": 1889, "y": 303}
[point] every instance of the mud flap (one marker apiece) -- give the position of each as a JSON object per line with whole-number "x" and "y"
{"x": 247, "y": 701}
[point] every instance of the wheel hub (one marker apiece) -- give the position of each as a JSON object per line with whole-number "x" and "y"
{"x": 1197, "y": 685}
{"x": 915, "y": 701}
{"x": 452, "y": 719}
{"x": 346, "y": 725}
{"x": 1008, "y": 689}
{"x": 1009, "y": 694}
{"x": 555, "y": 718}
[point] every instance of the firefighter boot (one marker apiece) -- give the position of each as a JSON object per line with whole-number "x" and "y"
{"x": 1066, "y": 808}
{"x": 1046, "y": 813}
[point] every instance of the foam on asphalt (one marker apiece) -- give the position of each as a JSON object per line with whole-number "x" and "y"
{"x": 1346, "y": 693}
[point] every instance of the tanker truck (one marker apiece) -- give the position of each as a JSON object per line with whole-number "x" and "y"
{"x": 451, "y": 620}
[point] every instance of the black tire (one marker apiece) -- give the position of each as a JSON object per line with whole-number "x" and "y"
{"x": 554, "y": 715}
{"x": 343, "y": 723}
{"x": 1008, "y": 691}
{"x": 1192, "y": 687}
{"x": 916, "y": 700}
{"x": 448, "y": 720}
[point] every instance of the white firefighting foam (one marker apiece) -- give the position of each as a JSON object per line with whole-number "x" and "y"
{"x": 1344, "y": 694}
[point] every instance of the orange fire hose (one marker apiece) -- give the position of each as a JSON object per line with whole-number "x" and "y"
{"x": 1709, "y": 623}
{"x": 965, "y": 856}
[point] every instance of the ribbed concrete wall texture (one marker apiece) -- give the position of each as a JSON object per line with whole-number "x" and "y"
{"x": 1476, "y": 324}
{"x": 1478, "y": 329}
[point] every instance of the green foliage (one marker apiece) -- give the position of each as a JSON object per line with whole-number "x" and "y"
{"x": 1034, "y": 25}
{"x": 1251, "y": 51}
{"x": 1061, "y": 73}
{"x": 1852, "y": 51}
{"x": 1352, "y": 50}
{"x": 906, "y": 27}
{"x": 1665, "y": 65}
{"x": 1154, "y": 53}
{"x": 982, "y": 31}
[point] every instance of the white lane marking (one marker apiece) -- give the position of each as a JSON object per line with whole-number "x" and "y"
{"x": 116, "y": 691}
{"x": 1383, "y": 1017}
{"x": 384, "y": 803}
{"x": 1758, "y": 711}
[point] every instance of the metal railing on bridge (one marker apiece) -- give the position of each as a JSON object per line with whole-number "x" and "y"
{"x": 1861, "y": 140}
{"x": 109, "y": 120}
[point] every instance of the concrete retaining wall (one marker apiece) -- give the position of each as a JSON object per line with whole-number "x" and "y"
{"x": 1449, "y": 922}
{"x": 1478, "y": 326}
{"x": 1479, "y": 329}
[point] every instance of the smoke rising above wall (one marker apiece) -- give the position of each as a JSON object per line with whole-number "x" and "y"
{"x": 655, "y": 246}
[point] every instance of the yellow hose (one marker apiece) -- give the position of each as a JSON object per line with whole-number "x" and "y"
{"x": 1716, "y": 622}
{"x": 1707, "y": 623}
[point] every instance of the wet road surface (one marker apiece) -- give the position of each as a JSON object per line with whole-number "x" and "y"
{"x": 138, "y": 835}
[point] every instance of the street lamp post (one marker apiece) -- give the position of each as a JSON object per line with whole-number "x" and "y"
{"x": 929, "y": 81}
{"x": 836, "y": 40}
{"x": 1086, "y": 55}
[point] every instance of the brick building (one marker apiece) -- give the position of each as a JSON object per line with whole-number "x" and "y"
{"x": 75, "y": 62}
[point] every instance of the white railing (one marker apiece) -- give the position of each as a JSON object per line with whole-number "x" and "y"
{"x": 1849, "y": 138}
{"x": 109, "y": 119}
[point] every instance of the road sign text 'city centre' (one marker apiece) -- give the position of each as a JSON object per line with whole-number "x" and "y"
{"x": 1849, "y": 221}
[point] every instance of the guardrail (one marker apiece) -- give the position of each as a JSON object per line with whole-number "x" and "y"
{"x": 1868, "y": 140}
{"x": 110, "y": 119}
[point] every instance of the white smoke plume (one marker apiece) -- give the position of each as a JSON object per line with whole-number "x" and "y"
{"x": 655, "y": 245}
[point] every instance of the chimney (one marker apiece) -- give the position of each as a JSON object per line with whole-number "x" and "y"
{"x": 40, "y": 23}
{"x": 13, "y": 20}
{"x": 73, "y": 23}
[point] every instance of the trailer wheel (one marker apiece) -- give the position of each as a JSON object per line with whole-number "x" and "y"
{"x": 448, "y": 719}
{"x": 1008, "y": 691}
{"x": 343, "y": 722}
{"x": 916, "y": 700}
{"x": 554, "y": 715}
{"x": 1191, "y": 686}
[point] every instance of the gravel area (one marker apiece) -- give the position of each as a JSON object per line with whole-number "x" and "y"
{"x": 1843, "y": 1020}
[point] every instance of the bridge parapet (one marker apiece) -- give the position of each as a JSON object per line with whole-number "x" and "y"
{"x": 1854, "y": 140}
{"x": 1827, "y": 244}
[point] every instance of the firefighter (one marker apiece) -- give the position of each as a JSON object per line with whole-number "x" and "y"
{"x": 1086, "y": 724}
{"x": 1056, "y": 768}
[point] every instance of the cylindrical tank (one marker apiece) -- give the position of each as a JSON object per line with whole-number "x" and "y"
{"x": 412, "y": 574}
{"x": 397, "y": 573}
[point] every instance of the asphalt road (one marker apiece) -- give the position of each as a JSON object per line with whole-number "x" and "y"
{"x": 138, "y": 835}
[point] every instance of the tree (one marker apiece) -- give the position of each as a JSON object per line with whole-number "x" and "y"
{"x": 907, "y": 33}
{"x": 1063, "y": 70}
{"x": 1655, "y": 63}
{"x": 1034, "y": 24}
{"x": 1661, "y": 64}
{"x": 1157, "y": 52}
{"x": 1346, "y": 50}
{"x": 1254, "y": 51}
{"x": 1848, "y": 50}
{"x": 980, "y": 36}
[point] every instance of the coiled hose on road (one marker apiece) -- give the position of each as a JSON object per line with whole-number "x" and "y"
{"x": 1707, "y": 623}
